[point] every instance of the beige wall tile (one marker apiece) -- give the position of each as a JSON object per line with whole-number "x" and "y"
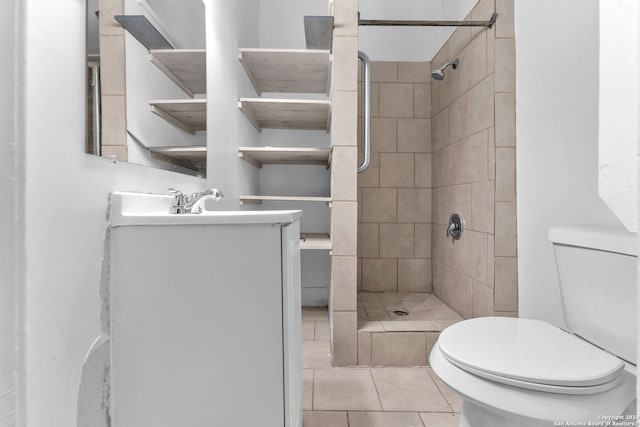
{"x": 364, "y": 348}
{"x": 118, "y": 152}
{"x": 375, "y": 99}
{"x": 506, "y": 288}
{"x": 482, "y": 98}
{"x": 345, "y": 18}
{"x": 491, "y": 155}
{"x": 397, "y": 241}
{"x": 414, "y": 205}
{"x": 396, "y": 170}
{"x": 344, "y": 125}
{"x": 344, "y": 220}
{"x": 447, "y": 200}
{"x": 379, "y": 275}
{"x": 345, "y": 63}
{"x": 414, "y": 72}
{"x": 316, "y": 355}
{"x": 482, "y": 206}
{"x": 414, "y": 275}
{"x": 505, "y": 63}
{"x": 481, "y": 12}
{"x": 384, "y": 133}
{"x": 505, "y": 237}
{"x": 505, "y": 21}
{"x": 473, "y": 62}
{"x": 440, "y": 130}
{"x": 108, "y": 25}
{"x": 414, "y": 135}
{"x": 359, "y": 267}
{"x": 505, "y": 174}
{"x": 491, "y": 50}
{"x": 345, "y": 338}
{"x": 360, "y": 199}
{"x": 469, "y": 255}
{"x": 472, "y": 160}
{"x": 396, "y": 100}
{"x": 460, "y": 118}
{"x": 460, "y": 294}
{"x": 490, "y": 261}
{"x": 398, "y": 349}
{"x": 368, "y": 240}
{"x": 423, "y": 240}
{"x": 482, "y": 300}
{"x": 344, "y": 179}
{"x": 460, "y": 38}
{"x": 432, "y": 337}
{"x": 371, "y": 176}
{"x": 112, "y": 65}
{"x": 379, "y": 204}
{"x": 114, "y": 114}
{"x": 436, "y": 106}
{"x": 441, "y": 281}
{"x": 422, "y": 100}
{"x": 384, "y": 71}
{"x": 505, "y": 119}
{"x": 422, "y": 170}
{"x": 344, "y": 278}
{"x": 449, "y": 87}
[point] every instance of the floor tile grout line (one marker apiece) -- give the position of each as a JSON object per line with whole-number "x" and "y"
{"x": 439, "y": 389}
{"x": 376, "y": 387}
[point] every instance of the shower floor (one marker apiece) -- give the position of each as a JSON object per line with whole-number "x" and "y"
{"x": 386, "y": 338}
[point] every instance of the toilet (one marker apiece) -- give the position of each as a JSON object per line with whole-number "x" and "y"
{"x": 515, "y": 372}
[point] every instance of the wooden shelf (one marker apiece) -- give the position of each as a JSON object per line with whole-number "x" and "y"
{"x": 190, "y": 157}
{"x": 258, "y": 156}
{"x": 309, "y": 114}
{"x": 315, "y": 241}
{"x": 186, "y": 67}
{"x": 287, "y": 70}
{"x": 260, "y": 199}
{"x": 190, "y": 115}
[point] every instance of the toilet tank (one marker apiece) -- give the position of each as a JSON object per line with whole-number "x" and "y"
{"x": 597, "y": 268}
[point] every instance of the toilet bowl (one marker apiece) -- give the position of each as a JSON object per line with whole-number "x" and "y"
{"x": 528, "y": 373}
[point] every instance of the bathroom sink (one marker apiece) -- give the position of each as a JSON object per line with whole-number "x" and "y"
{"x": 130, "y": 208}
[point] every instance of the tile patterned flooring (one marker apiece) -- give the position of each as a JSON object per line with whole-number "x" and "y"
{"x": 368, "y": 397}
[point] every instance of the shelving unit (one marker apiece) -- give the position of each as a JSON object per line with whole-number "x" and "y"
{"x": 287, "y": 70}
{"x": 249, "y": 199}
{"x": 302, "y": 114}
{"x": 186, "y": 67}
{"x": 190, "y": 115}
{"x": 189, "y": 157}
{"x": 259, "y": 156}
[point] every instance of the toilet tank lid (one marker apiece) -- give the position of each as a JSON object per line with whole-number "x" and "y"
{"x": 611, "y": 239}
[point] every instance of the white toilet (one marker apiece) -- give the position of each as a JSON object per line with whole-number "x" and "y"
{"x": 526, "y": 373}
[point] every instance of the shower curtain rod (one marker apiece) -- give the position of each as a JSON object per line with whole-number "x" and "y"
{"x": 392, "y": 23}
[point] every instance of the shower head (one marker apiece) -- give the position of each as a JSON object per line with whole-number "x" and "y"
{"x": 438, "y": 74}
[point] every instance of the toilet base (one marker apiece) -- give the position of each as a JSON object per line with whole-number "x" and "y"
{"x": 477, "y": 415}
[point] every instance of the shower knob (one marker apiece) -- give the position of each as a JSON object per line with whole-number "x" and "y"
{"x": 456, "y": 226}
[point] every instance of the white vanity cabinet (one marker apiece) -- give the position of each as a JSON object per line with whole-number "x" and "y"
{"x": 205, "y": 318}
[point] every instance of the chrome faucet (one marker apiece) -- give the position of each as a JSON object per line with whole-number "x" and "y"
{"x": 183, "y": 204}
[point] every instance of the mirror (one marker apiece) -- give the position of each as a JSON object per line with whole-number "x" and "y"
{"x": 146, "y": 84}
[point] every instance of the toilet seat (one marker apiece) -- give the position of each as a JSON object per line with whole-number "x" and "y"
{"x": 529, "y": 354}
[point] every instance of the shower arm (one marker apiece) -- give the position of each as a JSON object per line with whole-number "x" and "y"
{"x": 366, "y": 62}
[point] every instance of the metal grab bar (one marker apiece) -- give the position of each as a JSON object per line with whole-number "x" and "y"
{"x": 366, "y": 62}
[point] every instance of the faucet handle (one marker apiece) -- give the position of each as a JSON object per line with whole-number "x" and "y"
{"x": 178, "y": 202}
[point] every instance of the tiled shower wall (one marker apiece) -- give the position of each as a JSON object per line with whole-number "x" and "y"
{"x": 394, "y": 193}
{"x": 473, "y": 140}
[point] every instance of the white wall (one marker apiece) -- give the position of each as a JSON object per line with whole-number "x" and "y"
{"x": 230, "y": 24}
{"x": 282, "y": 22}
{"x": 557, "y": 139}
{"x": 66, "y": 205}
{"x": 409, "y": 43}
